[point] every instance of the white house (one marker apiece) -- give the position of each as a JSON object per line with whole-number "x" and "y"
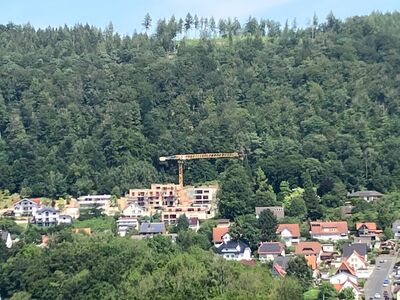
{"x": 329, "y": 231}
{"x": 344, "y": 273}
{"x": 269, "y": 251}
{"x": 194, "y": 224}
{"x": 348, "y": 284}
{"x": 133, "y": 210}
{"x": 221, "y": 235}
{"x": 234, "y": 250}
{"x": 5, "y": 236}
{"x": 26, "y": 207}
{"x": 126, "y": 223}
{"x": 356, "y": 261}
{"x": 289, "y": 233}
{"x": 368, "y": 196}
{"x": 47, "y": 216}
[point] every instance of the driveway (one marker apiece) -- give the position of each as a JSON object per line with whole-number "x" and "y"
{"x": 374, "y": 283}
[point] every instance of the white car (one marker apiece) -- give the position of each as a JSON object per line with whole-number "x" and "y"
{"x": 377, "y": 296}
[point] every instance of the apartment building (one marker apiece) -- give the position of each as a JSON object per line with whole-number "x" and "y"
{"x": 202, "y": 195}
{"x": 89, "y": 201}
{"x": 155, "y": 197}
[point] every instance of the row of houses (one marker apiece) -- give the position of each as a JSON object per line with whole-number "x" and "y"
{"x": 41, "y": 215}
{"x": 342, "y": 267}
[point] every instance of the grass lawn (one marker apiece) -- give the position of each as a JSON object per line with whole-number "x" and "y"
{"x": 311, "y": 294}
{"x": 96, "y": 224}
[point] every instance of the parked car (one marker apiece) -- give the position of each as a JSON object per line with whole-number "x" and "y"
{"x": 386, "y": 282}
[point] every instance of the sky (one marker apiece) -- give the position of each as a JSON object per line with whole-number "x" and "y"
{"x": 127, "y": 15}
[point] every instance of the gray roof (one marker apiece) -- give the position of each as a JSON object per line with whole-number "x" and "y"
{"x": 232, "y": 247}
{"x": 365, "y": 194}
{"x": 278, "y": 211}
{"x": 66, "y": 216}
{"x": 50, "y": 209}
{"x": 282, "y": 261}
{"x": 348, "y": 249}
{"x": 273, "y": 247}
{"x": 4, "y": 235}
{"x": 149, "y": 228}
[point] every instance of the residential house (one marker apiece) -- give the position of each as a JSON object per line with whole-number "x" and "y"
{"x": 268, "y": 251}
{"x": 48, "y": 216}
{"x": 368, "y": 196}
{"x": 344, "y": 273}
{"x": 356, "y": 261}
{"x": 278, "y": 271}
{"x": 234, "y": 250}
{"x": 278, "y": 211}
{"x": 5, "y": 237}
{"x": 344, "y": 277}
{"x": 26, "y": 207}
{"x": 328, "y": 253}
{"x": 351, "y": 285}
{"x": 64, "y": 219}
{"x": 279, "y": 266}
{"x": 289, "y": 233}
{"x": 126, "y": 223}
{"x": 194, "y": 224}
{"x": 309, "y": 249}
{"x": 396, "y": 229}
{"x": 368, "y": 229}
{"x": 220, "y": 235}
{"x": 388, "y": 245}
{"x": 134, "y": 210}
{"x": 102, "y": 202}
{"x": 329, "y": 231}
{"x": 152, "y": 228}
{"x": 360, "y": 248}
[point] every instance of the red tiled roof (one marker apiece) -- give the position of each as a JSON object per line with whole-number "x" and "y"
{"x": 345, "y": 266}
{"x": 251, "y": 262}
{"x": 329, "y": 228}
{"x": 308, "y": 248}
{"x": 369, "y": 225}
{"x": 293, "y": 228}
{"x": 218, "y": 233}
{"x": 280, "y": 270}
{"x": 338, "y": 287}
{"x": 36, "y": 200}
{"x": 312, "y": 261}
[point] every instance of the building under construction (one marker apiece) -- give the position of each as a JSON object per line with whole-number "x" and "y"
{"x": 167, "y": 199}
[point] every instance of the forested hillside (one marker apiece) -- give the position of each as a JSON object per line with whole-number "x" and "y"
{"x": 106, "y": 267}
{"x": 84, "y": 110}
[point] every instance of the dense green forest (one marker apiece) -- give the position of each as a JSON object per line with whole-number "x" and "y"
{"x": 106, "y": 267}
{"x": 88, "y": 110}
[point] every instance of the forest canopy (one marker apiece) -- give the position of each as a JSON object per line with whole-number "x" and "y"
{"x": 86, "y": 110}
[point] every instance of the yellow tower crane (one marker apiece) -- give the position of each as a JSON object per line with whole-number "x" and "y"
{"x": 182, "y": 157}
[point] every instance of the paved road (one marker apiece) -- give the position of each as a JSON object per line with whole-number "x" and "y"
{"x": 374, "y": 283}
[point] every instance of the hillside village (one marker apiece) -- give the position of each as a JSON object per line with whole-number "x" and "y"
{"x": 344, "y": 256}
